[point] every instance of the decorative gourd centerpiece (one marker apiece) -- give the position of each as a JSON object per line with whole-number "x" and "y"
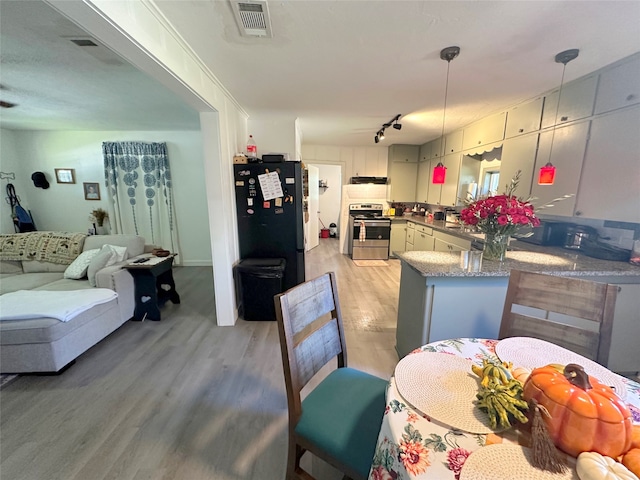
{"x": 584, "y": 415}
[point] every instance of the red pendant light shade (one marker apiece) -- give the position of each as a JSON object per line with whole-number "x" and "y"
{"x": 547, "y": 174}
{"x": 439, "y": 173}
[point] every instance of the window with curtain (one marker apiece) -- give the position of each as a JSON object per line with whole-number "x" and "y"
{"x": 140, "y": 192}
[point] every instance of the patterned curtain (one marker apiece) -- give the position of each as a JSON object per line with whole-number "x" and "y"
{"x": 140, "y": 193}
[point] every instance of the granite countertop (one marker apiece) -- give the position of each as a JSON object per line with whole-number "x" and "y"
{"x": 447, "y": 227}
{"x": 551, "y": 260}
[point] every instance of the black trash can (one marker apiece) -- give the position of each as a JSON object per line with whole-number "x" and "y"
{"x": 258, "y": 280}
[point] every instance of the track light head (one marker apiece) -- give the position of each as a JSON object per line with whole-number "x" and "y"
{"x": 381, "y": 134}
{"x": 397, "y": 126}
{"x": 376, "y": 139}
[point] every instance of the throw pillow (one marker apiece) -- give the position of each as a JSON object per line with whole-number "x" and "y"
{"x": 121, "y": 252}
{"x": 78, "y": 269}
{"x": 105, "y": 257}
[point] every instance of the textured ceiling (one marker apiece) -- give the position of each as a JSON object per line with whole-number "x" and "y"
{"x": 342, "y": 67}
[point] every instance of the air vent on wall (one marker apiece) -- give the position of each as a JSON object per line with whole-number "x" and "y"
{"x": 94, "y": 48}
{"x": 252, "y": 18}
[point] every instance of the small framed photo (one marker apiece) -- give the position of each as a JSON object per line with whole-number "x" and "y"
{"x": 91, "y": 191}
{"x": 65, "y": 175}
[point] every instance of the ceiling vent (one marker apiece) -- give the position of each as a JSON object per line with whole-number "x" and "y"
{"x": 252, "y": 18}
{"x": 94, "y": 48}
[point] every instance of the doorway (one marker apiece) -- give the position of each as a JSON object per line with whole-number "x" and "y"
{"x": 330, "y": 194}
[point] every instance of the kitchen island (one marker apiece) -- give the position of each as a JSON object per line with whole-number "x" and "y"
{"x": 439, "y": 299}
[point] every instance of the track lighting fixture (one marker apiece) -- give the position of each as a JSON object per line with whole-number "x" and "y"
{"x": 547, "y": 173}
{"x": 393, "y": 122}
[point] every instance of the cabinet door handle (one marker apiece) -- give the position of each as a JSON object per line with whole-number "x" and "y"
{"x": 564, "y": 119}
{"x": 520, "y": 130}
{"x": 630, "y": 97}
{"x": 578, "y": 213}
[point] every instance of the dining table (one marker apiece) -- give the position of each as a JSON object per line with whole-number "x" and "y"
{"x": 431, "y": 427}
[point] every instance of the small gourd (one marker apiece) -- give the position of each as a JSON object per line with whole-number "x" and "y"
{"x": 631, "y": 460}
{"x": 593, "y": 466}
{"x": 521, "y": 374}
{"x": 584, "y": 414}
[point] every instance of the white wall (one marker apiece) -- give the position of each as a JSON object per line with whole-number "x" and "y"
{"x": 356, "y": 161}
{"x": 10, "y": 162}
{"x": 273, "y": 133}
{"x": 63, "y": 207}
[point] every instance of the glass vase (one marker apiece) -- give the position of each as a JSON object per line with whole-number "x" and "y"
{"x": 495, "y": 246}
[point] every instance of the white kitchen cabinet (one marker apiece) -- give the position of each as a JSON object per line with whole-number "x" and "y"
{"x": 398, "y": 237}
{"x": 425, "y": 152}
{"x": 519, "y": 153}
{"x": 568, "y": 153}
{"x": 577, "y": 102}
{"x": 404, "y": 153}
{"x": 403, "y": 170}
{"x": 524, "y": 118}
{"x": 453, "y": 142}
{"x": 424, "y": 178}
{"x": 436, "y": 148}
{"x": 619, "y": 87}
{"x": 411, "y": 231}
{"x": 449, "y": 194}
{"x": 433, "y": 194}
{"x": 423, "y": 239}
{"x": 610, "y": 181}
{"x": 443, "y": 242}
{"x": 485, "y": 131}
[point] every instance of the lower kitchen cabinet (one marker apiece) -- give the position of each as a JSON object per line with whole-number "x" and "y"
{"x": 443, "y": 242}
{"x": 398, "y": 239}
{"x": 423, "y": 239}
{"x": 411, "y": 231}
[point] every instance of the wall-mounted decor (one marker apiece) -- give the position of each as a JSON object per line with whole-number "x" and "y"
{"x": 65, "y": 175}
{"x": 91, "y": 191}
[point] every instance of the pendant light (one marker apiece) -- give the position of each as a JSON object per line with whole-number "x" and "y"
{"x": 440, "y": 171}
{"x": 547, "y": 173}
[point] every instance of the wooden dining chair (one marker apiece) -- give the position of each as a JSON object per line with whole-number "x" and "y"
{"x": 573, "y": 313}
{"x": 340, "y": 418}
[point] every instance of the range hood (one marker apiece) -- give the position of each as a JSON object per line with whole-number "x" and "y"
{"x": 370, "y": 180}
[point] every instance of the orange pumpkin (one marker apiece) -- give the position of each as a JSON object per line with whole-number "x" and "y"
{"x": 584, "y": 414}
{"x": 635, "y": 437}
{"x": 631, "y": 460}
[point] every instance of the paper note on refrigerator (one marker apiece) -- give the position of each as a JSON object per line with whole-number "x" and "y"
{"x": 270, "y": 185}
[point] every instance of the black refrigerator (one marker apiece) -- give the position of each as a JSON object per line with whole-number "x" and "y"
{"x": 270, "y": 215}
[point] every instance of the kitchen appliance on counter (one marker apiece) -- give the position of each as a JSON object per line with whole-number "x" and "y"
{"x": 371, "y": 180}
{"x": 270, "y": 215}
{"x": 578, "y": 235}
{"x": 547, "y": 234}
{"x": 369, "y": 232}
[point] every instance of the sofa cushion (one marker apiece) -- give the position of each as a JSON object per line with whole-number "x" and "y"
{"x": 37, "y": 266}
{"x": 134, "y": 243}
{"x": 65, "y": 284}
{"x": 78, "y": 269}
{"x": 108, "y": 255}
{"x": 10, "y": 266}
{"x": 27, "y": 281}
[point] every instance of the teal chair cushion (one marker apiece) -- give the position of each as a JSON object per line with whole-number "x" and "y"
{"x": 342, "y": 416}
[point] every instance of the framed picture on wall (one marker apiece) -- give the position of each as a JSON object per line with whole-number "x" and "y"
{"x": 65, "y": 175}
{"x": 91, "y": 190}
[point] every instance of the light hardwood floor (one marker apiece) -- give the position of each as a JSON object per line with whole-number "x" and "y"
{"x": 184, "y": 398}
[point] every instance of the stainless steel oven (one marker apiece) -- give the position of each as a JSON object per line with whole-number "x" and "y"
{"x": 369, "y": 232}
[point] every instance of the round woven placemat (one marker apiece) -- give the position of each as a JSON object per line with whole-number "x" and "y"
{"x": 532, "y": 353}
{"x": 504, "y": 461}
{"x": 443, "y": 387}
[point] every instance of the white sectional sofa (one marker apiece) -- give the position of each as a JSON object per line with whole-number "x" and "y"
{"x": 47, "y": 344}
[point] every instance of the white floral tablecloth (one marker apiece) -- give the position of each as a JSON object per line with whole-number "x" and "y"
{"x": 413, "y": 446}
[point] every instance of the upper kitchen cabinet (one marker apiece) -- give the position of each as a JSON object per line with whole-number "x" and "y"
{"x": 433, "y": 195}
{"x": 569, "y": 146}
{"x": 403, "y": 170}
{"x": 424, "y": 179}
{"x": 577, "y": 102}
{"x": 425, "y": 152}
{"x": 610, "y": 183}
{"x": 525, "y": 118}
{"x": 453, "y": 142}
{"x": 404, "y": 153}
{"x": 619, "y": 87}
{"x": 436, "y": 148}
{"x": 519, "y": 153}
{"x": 487, "y": 130}
{"x": 449, "y": 194}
